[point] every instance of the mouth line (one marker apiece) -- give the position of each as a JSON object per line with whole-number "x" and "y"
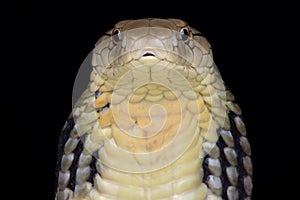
{"x": 148, "y": 53}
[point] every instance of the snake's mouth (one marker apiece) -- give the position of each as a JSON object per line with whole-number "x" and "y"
{"x": 148, "y": 53}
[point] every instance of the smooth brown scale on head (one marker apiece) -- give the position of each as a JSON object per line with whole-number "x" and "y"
{"x": 171, "y": 24}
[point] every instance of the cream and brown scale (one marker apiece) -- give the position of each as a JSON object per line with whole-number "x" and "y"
{"x": 155, "y": 122}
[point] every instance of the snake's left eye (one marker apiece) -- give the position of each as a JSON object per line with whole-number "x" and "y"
{"x": 116, "y": 35}
{"x": 185, "y": 33}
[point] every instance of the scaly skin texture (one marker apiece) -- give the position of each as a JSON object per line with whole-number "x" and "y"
{"x": 155, "y": 122}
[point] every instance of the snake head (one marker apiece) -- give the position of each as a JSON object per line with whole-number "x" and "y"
{"x": 152, "y": 40}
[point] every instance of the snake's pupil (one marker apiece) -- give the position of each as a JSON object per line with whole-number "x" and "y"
{"x": 116, "y": 35}
{"x": 184, "y": 32}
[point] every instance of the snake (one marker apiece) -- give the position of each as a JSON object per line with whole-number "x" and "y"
{"x": 156, "y": 121}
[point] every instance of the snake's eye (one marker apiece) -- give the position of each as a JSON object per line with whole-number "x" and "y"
{"x": 116, "y": 35}
{"x": 185, "y": 33}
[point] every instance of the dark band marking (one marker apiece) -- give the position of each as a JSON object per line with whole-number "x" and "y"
{"x": 205, "y": 168}
{"x": 74, "y": 166}
{"x": 65, "y": 134}
{"x": 93, "y": 168}
{"x": 224, "y": 164}
{"x": 240, "y": 154}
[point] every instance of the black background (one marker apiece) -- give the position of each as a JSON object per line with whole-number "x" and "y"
{"x": 47, "y": 43}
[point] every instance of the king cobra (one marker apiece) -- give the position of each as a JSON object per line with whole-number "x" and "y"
{"x": 156, "y": 121}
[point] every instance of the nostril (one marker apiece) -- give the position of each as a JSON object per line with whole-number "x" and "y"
{"x": 148, "y": 54}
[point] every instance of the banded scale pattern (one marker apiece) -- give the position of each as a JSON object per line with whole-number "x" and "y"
{"x": 155, "y": 122}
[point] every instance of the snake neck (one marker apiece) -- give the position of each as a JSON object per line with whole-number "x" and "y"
{"x": 182, "y": 177}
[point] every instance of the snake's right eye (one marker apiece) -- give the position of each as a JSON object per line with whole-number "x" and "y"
{"x": 185, "y": 33}
{"x": 116, "y": 35}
